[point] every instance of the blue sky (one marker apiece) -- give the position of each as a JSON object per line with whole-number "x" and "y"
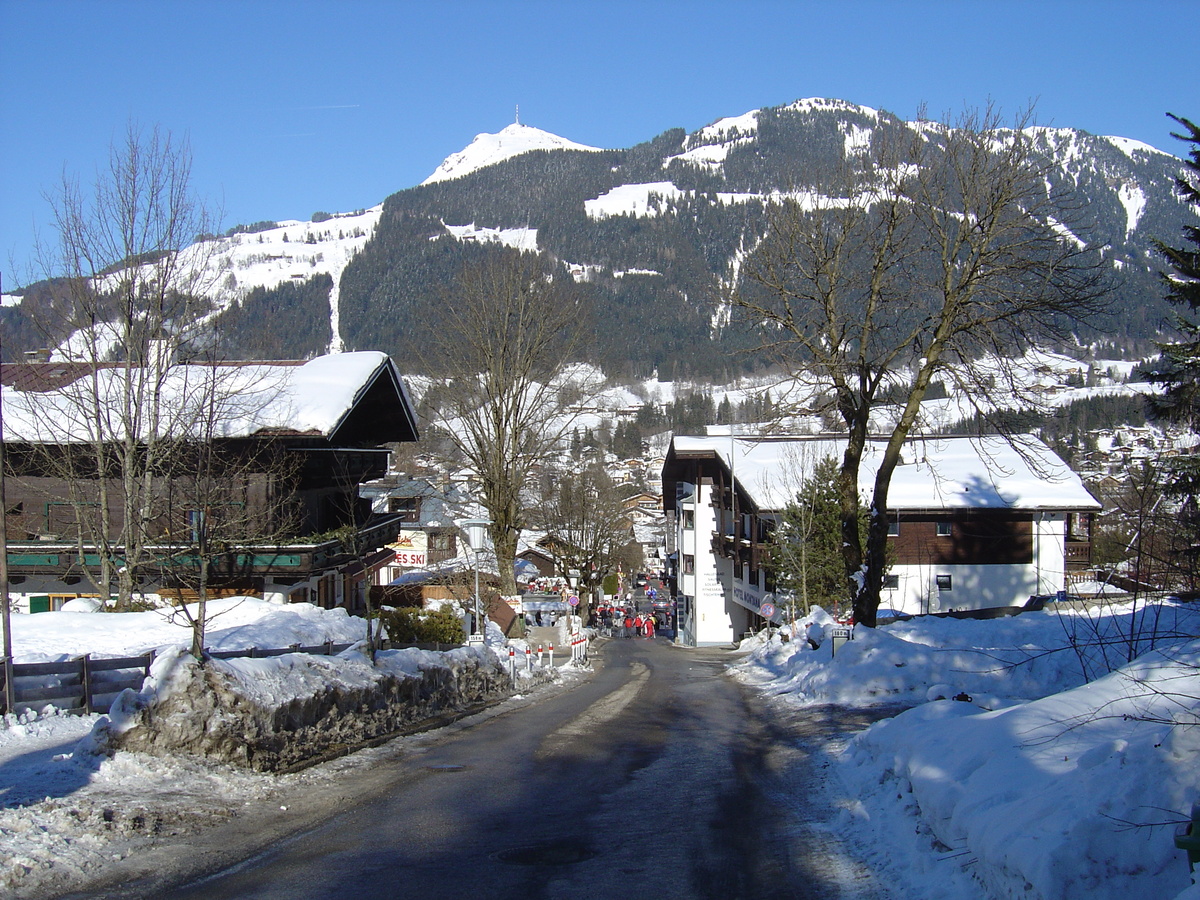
{"x": 305, "y": 105}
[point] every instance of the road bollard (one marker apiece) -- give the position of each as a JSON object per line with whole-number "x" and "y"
{"x": 528, "y": 660}
{"x": 512, "y": 663}
{"x": 552, "y": 656}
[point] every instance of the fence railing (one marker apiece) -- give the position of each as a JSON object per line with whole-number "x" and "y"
{"x": 88, "y": 684}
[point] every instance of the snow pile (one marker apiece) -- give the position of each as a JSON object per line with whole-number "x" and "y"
{"x": 282, "y": 712}
{"x": 234, "y": 623}
{"x": 1057, "y": 788}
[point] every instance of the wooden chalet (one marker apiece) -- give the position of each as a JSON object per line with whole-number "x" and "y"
{"x": 297, "y": 453}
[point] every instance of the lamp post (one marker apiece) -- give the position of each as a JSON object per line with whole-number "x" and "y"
{"x": 475, "y": 531}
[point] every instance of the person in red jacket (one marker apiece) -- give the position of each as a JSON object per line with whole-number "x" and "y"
{"x": 649, "y": 626}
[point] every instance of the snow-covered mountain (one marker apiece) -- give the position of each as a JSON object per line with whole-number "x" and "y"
{"x": 653, "y": 233}
{"x": 490, "y": 149}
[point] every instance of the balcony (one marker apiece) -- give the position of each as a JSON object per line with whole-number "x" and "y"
{"x": 1078, "y": 554}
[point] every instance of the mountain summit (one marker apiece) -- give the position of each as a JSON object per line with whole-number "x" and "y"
{"x": 489, "y": 149}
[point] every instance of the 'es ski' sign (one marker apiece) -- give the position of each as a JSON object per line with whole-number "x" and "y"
{"x": 411, "y": 549}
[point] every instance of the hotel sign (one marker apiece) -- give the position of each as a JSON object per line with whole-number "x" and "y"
{"x": 751, "y": 600}
{"x": 412, "y": 549}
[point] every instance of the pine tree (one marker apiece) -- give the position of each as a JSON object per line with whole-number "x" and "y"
{"x": 1178, "y": 371}
{"x": 807, "y": 554}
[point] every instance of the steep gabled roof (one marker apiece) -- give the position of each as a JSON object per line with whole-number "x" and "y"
{"x": 357, "y": 399}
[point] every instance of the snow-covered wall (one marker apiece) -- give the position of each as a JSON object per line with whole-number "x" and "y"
{"x": 230, "y": 710}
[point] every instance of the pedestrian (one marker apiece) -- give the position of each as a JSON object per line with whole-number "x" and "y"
{"x": 628, "y": 630}
{"x": 638, "y": 624}
{"x": 650, "y": 627}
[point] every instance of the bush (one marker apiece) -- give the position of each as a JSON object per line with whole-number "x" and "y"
{"x": 423, "y": 627}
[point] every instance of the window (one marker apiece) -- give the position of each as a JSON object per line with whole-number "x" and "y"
{"x": 893, "y": 527}
{"x": 195, "y": 523}
{"x": 689, "y": 564}
{"x": 891, "y": 582}
{"x": 689, "y": 518}
{"x": 943, "y": 529}
{"x": 441, "y": 541}
{"x": 944, "y": 583}
{"x": 409, "y": 508}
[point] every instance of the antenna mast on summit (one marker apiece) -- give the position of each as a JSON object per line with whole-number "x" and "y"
{"x": 518, "y": 113}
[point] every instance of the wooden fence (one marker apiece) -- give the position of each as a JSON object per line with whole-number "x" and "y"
{"x": 89, "y": 684}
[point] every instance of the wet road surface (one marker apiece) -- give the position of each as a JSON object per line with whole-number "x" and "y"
{"x": 659, "y": 777}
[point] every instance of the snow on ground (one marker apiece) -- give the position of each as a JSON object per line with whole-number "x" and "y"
{"x": 1059, "y": 772}
{"x": 234, "y": 623}
{"x": 523, "y": 239}
{"x": 633, "y": 200}
{"x": 67, "y": 810}
{"x": 1013, "y": 775}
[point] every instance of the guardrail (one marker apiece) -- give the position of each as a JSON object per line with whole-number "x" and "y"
{"x": 88, "y": 684}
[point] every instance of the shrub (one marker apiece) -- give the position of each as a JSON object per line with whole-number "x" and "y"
{"x": 423, "y": 626}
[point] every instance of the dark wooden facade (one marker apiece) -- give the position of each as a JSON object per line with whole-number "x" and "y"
{"x": 962, "y": 537}
{"x": 296, "y": 485}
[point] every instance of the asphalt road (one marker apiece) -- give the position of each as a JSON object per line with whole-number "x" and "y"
{"x": 659, "y": 778}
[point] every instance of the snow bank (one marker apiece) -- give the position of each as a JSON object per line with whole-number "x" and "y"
{"x": 1064, "y": 797}
{"x": 1049, "y": 779}
{"x": 234, "y": 623}
{"x": 282, "y": 712}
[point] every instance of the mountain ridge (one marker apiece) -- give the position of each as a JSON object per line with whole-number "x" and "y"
{"x": 655, "y": 233}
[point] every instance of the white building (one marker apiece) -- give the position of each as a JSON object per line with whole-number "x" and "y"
{"x": 975, "y": 524}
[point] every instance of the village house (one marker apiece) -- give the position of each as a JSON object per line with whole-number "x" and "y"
{"x": 298, "y": 437}
{"x": 974, "y": 524}
{"x": 427, "y": 510}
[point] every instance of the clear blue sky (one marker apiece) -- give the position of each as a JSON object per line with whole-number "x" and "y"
{"x": 294, "y": 106}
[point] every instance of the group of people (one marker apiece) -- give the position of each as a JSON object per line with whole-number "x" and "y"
{"x": 626, "y": 621}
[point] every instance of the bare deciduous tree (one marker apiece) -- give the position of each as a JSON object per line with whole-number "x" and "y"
{"x": 929, "y": 250}
{"x": 586, "y": 524}
{"x": 222, "y": 497}
{"x": 136, "y": 290}
{"x": 506, "y": 394}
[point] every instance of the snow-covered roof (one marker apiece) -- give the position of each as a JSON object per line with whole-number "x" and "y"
{"x": 247, "y": 399}
{"x": 936, "y": 472}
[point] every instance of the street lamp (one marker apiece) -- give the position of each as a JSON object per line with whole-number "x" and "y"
{"x": 475, "y": 531}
